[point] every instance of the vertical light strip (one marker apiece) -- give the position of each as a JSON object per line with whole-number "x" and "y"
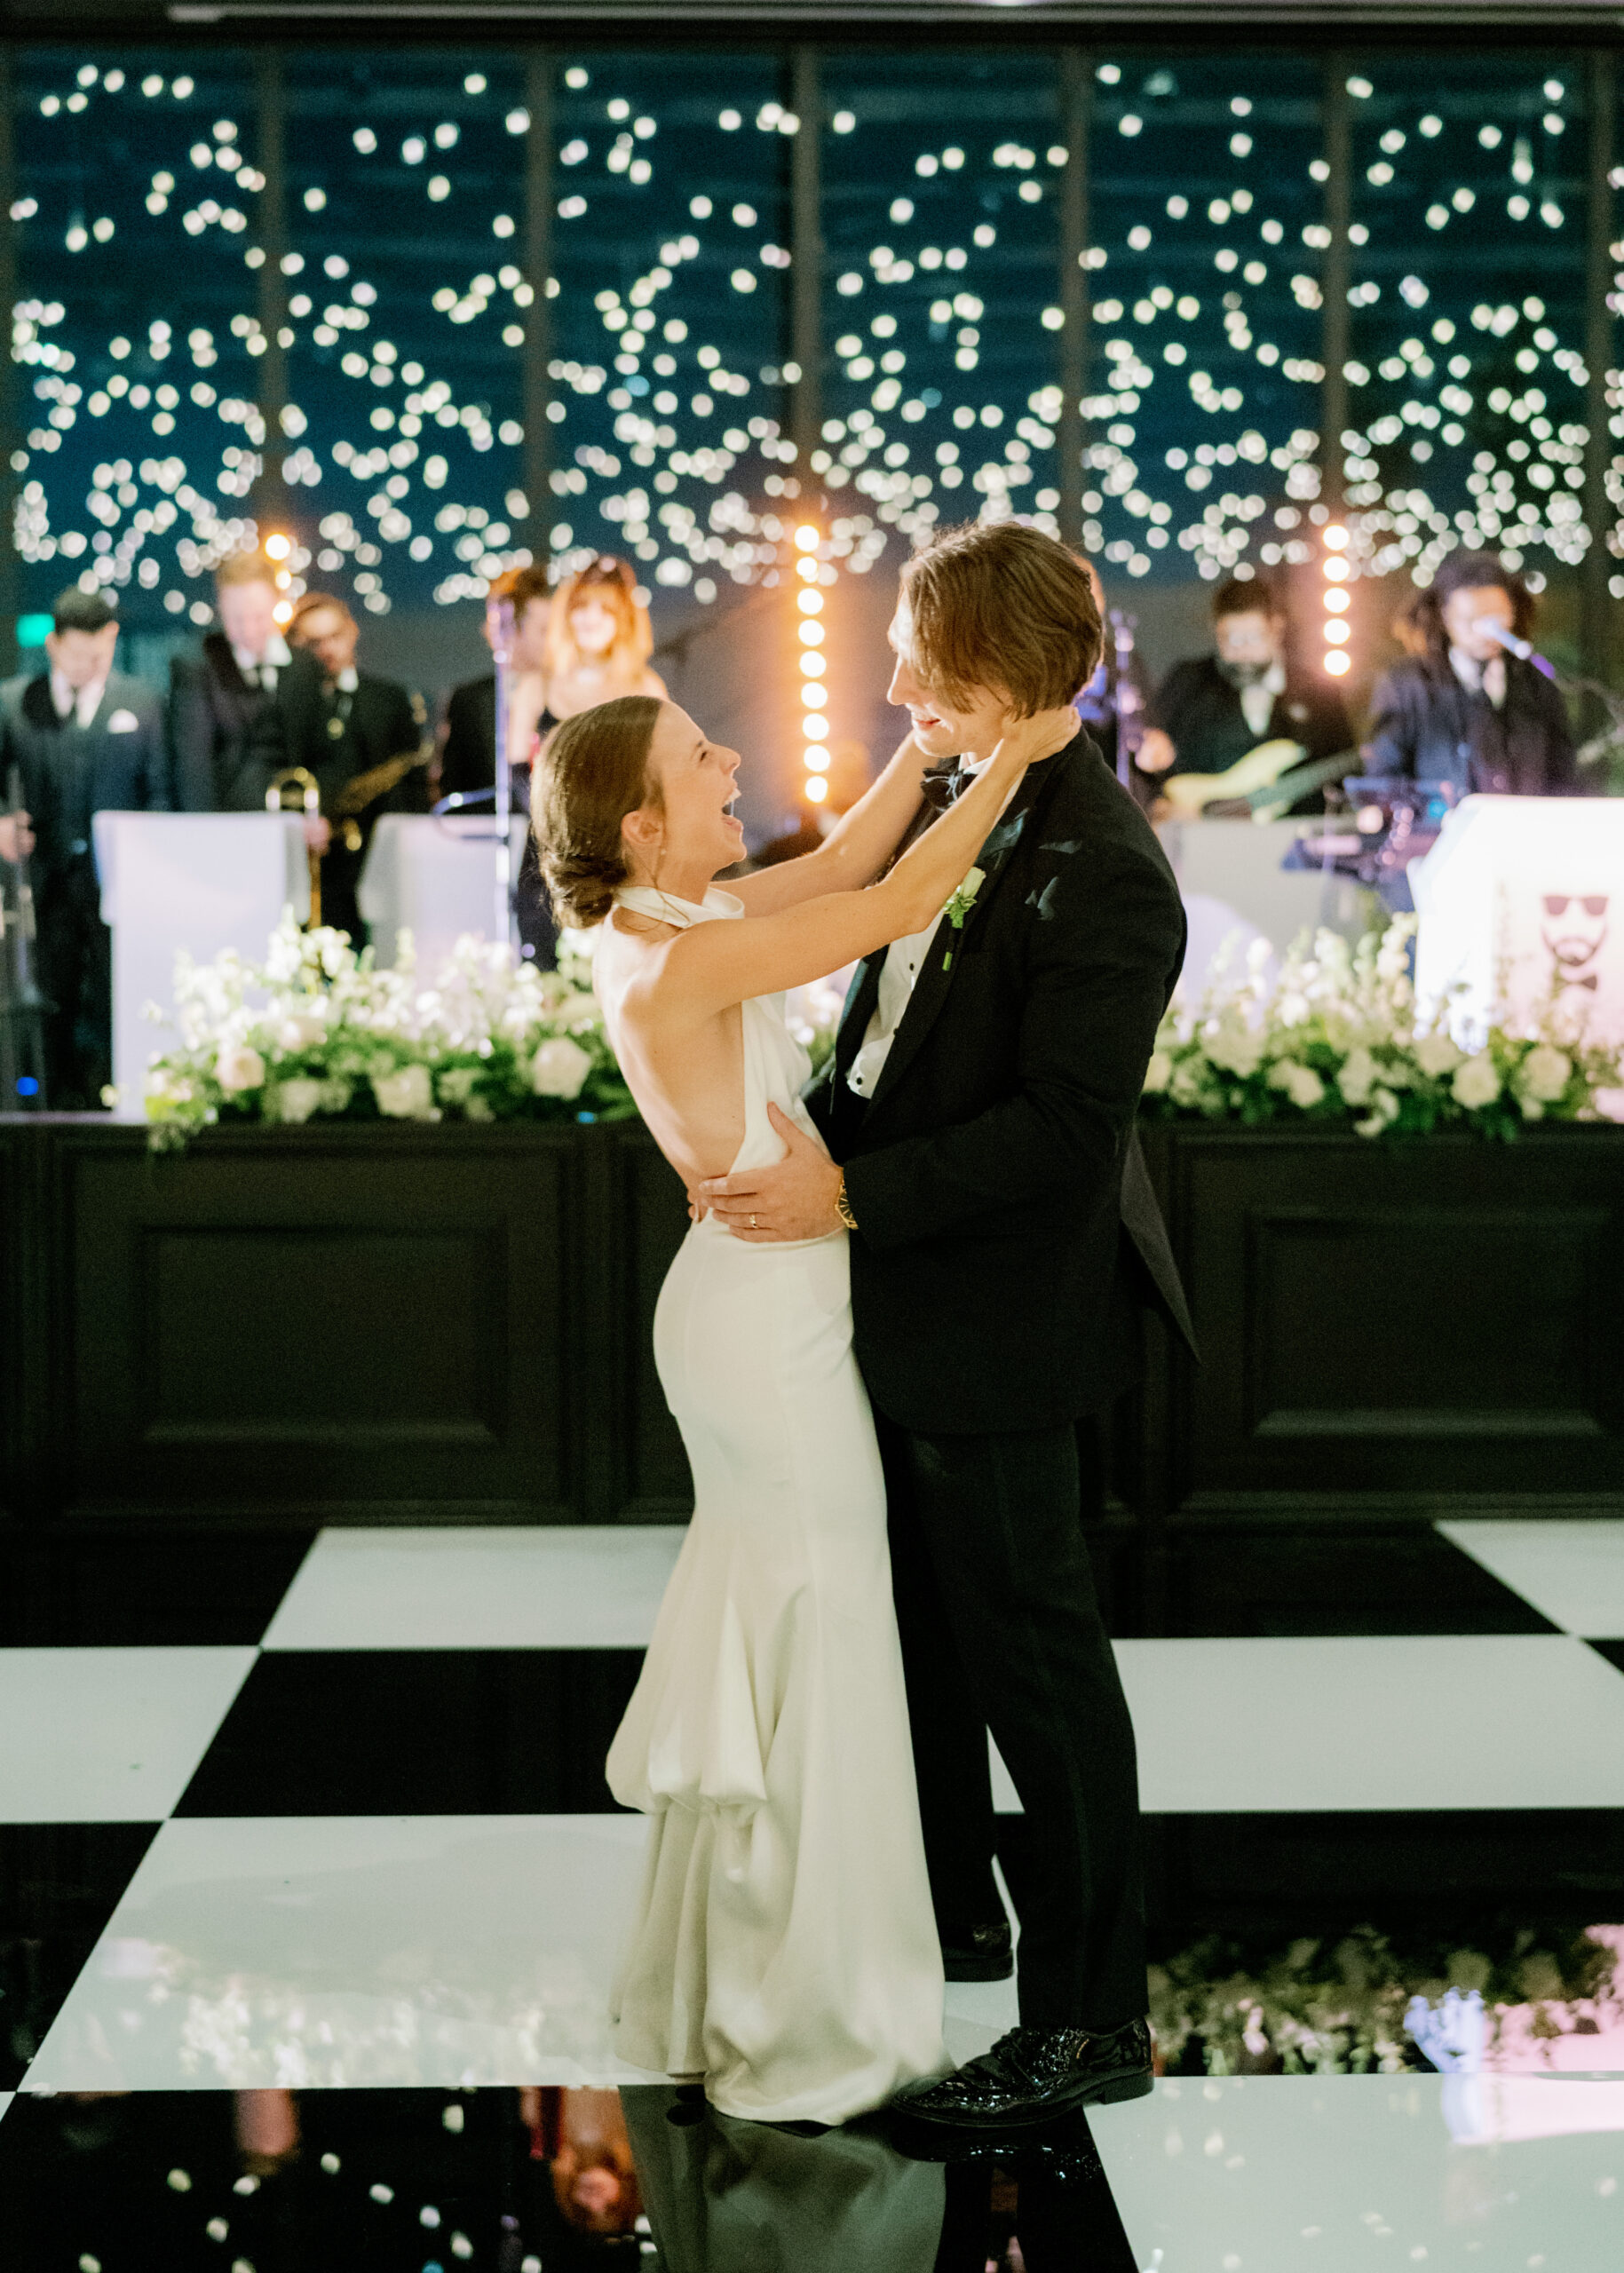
{"x": 814, "y": 665}
{"x": 1338, "y": 600}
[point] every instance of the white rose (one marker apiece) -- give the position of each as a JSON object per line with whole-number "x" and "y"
{"x": 1436, "y": 1055}
{"x": 456, "y": 1084}
{"x": 1476, "y": 1083}
{"x": 560, "y": 1068}
{"x": 295, "y": 1100}
{"x": 407, "y": 1095}
{"x": 1359, "y": 1072}
{"x": 1234, "y": 1049}
{"x": 1301, "y": 1083}
{"x": 301, "y": 1033}
{"x": 1545, "y": 1073}
{"x": 239, "y": 1067}
{"x": 1158, "y": 1073}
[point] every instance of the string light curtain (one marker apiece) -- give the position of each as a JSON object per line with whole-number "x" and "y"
{"x": 366, "y": 282}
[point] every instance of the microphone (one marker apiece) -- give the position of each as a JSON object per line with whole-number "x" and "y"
{"x": 1488, "y": 627}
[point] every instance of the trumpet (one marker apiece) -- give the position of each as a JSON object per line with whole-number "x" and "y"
{"x": 276, "y": 801}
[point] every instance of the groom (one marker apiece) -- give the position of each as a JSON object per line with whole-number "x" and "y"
{"x": 979, "y": 1113}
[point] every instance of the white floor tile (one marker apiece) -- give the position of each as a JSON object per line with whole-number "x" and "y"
{"x": 1459, "y": 2174}
{"x": 342, "y": 1950}
{"x": 586, "y": 1587}
{"x": 1462, "y": 1721}
{"x": 1572, "y": 1572}
{"x": 6, "y": 2099}
{"x": 107, "y": 1735}
{"x": 428, "y": 1950}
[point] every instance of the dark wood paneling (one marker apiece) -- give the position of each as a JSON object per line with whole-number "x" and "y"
{"x": 301, "y": 1322}
{"x": 1435, "y": 1319}
{"x": 433, "y": 1324}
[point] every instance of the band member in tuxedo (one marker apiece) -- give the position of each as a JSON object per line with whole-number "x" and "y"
{"x": 87, "y": 738}
{"x": 1208, "y": 712}
{"x": 1459, "y": 707}
{"x": 218, "y": 699}
{"x": 352, "y": 730}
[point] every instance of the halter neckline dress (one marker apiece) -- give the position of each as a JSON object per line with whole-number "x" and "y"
{"x": 784, "y": 1946}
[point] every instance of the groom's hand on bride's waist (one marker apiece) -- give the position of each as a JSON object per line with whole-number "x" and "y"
{"x": 794, "y": 1199}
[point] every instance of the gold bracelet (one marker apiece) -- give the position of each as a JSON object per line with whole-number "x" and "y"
{"x": 843, "y": 1205}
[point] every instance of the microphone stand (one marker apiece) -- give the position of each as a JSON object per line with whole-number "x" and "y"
{"x": 1606, "y": 743}
{"x": 1126, "y": 697}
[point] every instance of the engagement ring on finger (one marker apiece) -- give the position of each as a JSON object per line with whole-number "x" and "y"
{"x": 752, "y": 1223}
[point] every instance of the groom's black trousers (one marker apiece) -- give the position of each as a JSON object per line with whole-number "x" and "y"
{"x": 1001, "y": 1629}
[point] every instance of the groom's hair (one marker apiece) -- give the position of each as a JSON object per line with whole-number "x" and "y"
{"x": 1002, "y": 605}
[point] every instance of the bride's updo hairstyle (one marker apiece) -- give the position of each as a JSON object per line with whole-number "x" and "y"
{"x": 595, "y": 771}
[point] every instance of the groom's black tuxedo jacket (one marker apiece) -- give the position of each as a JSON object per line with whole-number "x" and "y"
{"x": 1005, "y": 1219}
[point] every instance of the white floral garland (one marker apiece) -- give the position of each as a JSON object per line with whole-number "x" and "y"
{"x": 1338, "y": 1032}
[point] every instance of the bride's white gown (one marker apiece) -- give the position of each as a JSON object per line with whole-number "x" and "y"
{"x": 784, "y": 1946}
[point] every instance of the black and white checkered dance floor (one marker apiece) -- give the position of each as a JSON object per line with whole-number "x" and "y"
{"x": 344, "y": 1826}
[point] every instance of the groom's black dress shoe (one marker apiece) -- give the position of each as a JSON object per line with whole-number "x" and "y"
{"x": 985, "y": 1953}
{"x": 1032, "y": 2075}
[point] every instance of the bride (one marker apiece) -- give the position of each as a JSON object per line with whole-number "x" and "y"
{"x": 784, "y": 1948}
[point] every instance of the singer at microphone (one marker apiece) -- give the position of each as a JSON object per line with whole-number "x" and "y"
{"x": 1473, "y": 706}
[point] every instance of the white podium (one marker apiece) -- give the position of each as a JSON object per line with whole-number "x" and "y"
{"x": 198, "y": 881}
{"x": 1519, "y": 895}
{"x": 1230, "y": 880}
{"x": 433, "y": 877}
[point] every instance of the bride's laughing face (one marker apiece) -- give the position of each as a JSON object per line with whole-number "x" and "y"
{"x": 693, "y": 828}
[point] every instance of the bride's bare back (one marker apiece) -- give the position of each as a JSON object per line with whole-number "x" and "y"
{"x": 687, "y": 1078}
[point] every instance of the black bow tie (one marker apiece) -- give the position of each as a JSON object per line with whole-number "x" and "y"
{"x": 1590, "y": 981}
{"x": 941, "y": 784}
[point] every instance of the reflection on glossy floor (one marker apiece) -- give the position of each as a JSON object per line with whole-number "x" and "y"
{"x": 1258, "y": 2175}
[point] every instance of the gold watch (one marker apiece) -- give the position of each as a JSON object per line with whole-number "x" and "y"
{"x": 843, "y": 1205}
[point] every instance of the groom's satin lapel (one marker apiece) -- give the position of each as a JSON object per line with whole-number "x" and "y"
{"x": 932, "y": 988}
{"x": 861, "y": 996}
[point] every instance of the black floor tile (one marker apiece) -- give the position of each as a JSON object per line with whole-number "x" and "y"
{"x": 1613, "y": 1652}
{"x": 1321, "y": 1872}
{"x": 417, "y": 1732}
{"x": 300, "y": 2184}
{"x": 1239, "y": 1581}
{"x": 60, "y": 1883}
{"x": 392, "y": 2181}
{"x": 175, "y": 1587}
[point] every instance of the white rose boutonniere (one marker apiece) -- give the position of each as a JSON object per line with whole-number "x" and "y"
{"x": 959, "y": 906}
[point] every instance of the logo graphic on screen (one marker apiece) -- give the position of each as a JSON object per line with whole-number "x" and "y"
{"x": 1573, "y": 928}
